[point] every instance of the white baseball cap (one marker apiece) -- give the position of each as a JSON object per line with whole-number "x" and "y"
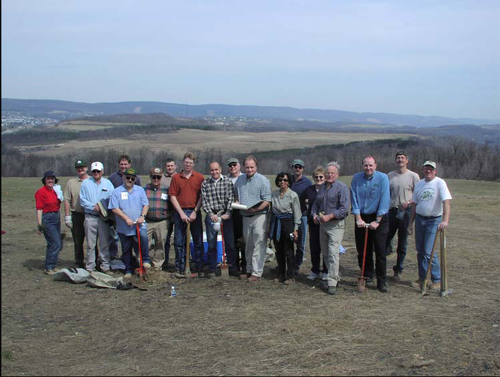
{"x": 97, "y": 166}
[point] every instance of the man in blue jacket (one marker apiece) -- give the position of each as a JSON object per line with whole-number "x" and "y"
{"x": 370, "y": 199}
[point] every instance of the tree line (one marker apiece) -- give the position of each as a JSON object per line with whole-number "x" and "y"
{"x": 456, "y": 158}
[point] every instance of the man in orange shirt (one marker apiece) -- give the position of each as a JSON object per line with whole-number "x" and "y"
{"x": 185, "y": 195}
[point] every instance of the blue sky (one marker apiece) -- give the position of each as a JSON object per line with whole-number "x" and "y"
{"x": 423, "y": 57}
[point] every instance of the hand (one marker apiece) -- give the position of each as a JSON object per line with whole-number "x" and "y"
{"x": 325, "y": 218}
{"x": 68, "y": 222}
{"x": 40, "y": 228}
{"x": 443, "y": 225}
{"x": 214, "y": 218}
{"x": 96, "y": 208}
{"x": 360, "y": 224}
{"x": 184, "y": 218}
{"x": 316, "y": 219}
{"x": 225, "y": 217}
{"x": 129, "y": 222}
{"x": 192, "y": 217}
{"x": 295, "y": 236}
{"x": 373, "y": 225}
{"x": 251, "y": 210}
{"x": 140, "y": 220}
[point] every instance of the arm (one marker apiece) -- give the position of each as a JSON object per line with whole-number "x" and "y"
{"x": 446, "y": 215}
{"x": 39, "y": 221}
{"x": 141, "y": 218}
{"x": 192, "y": 216}
{"x": 260, "y": 207}
{"x": 67, "y": 215}
{"x": 119, "y": 212}
{"x": 175, "y": 203}
{"x": 229, "y": 200}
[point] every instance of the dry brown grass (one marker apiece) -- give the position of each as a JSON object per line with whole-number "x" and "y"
{"x": 217, "y": 327}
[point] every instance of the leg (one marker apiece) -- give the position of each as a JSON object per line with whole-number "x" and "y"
{"x": 315, "y": 247}
{"x": 104, "y": 256}
{"x": 170, "y": 227}
{"x": 402, "y": 240}
{"x": 260, "y": 242}
{"x": 212, "y": 245}
{"x": 231, "y": 255}
{"x": 91, "y": 232}
{"x": 379, "y": 246}
{"x": 179, "y": 243}
{"x": 126, "y": 242}
{"x": 78, "y": 233}
{"x": 196, "y": 228}
{"x": 52, "y": 234}
{"x": 301, "y": 244}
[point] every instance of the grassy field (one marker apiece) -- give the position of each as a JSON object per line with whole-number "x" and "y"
{"x": 228, "y": 141}
{"x": 217, "y": 327}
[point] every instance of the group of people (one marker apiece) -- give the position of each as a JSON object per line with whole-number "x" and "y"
{"x": 248, "y": 214}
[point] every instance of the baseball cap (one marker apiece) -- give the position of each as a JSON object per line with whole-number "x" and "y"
{"x": 232, "y": 161}
{"x": 80, "y": 163}
{"x": 97, "y": 166}
{"x": 155, "y": 171}
{"x": 430, "y": 163}
{"x": 130, "y": 171}
{"x": 298, "y": 162}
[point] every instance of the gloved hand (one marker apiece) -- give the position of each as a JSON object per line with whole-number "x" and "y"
{"x": 68, "y": 222}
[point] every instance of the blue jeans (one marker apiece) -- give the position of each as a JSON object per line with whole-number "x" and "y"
{"x": 196, "y": 229}
{"x": 400, "y": 226}
{"x": 301, "y": 243}
{"x": 425, "y": 233}
{"x": 228, "y": 236}
{"x": 52, "y": 233}
{"x": 131, "y": 242}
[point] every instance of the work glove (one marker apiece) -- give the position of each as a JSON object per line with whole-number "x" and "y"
{"x": 68, "y": 222}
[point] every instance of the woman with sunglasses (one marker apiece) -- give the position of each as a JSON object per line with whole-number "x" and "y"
{"x": 309, "y": 196}
{"x": 48, "y": 204}
{"x": 285, "y": 223}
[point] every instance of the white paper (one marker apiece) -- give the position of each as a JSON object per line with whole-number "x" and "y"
{"x": 238, "y": 206}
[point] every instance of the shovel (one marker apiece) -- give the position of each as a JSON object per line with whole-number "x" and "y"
{"x": 141, "y": 270}
{"x": 187, "y": 269}
{"x": 362, "y": 278}
{"x": 444, "y": 275}
{"x": 224, "y": 271}
{"x": 423, "y": 288}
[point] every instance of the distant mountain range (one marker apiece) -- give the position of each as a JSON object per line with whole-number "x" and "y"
{"x": 67, "y": 110}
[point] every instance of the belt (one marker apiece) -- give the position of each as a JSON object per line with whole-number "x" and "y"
{"x": 91, "y": 214}
{"x": 428, "y": 217}
{"x": 156, "y": 220}
{"x": 191, "y": 208}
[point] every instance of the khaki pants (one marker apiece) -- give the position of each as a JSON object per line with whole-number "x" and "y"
{"x": 157, "y": 231}
{"x": 254, "y": 231}
{"x": 330, "y": 235}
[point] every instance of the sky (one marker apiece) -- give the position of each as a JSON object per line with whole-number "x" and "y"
{"x": 423, "y": 57}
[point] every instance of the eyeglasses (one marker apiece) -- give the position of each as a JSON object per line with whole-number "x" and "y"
{"x": 232, "y": 165}
{"x": 128, "y": 178}
{"x": 283, "y": 180}
{"x": 95, "y": 171}
{"x": 298, "y": 167}
{"x": 319, "y": 177}
{"x": 156, "y": 177}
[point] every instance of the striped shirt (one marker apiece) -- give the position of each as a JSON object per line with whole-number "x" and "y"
{"x": 158, "y": 202}
{"x": 217, "y": 196}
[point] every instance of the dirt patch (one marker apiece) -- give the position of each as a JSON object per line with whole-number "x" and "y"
{"x": 217, "y": 327}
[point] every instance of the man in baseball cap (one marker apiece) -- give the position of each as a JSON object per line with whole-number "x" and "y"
{"x": 299, "y": 185}
{"x": 73, "y": 211}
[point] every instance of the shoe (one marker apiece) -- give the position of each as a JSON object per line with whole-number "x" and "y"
{"x": 370, "y": 282}
{"x": 128, "y": 275}
{"x": 435, "y": 286}
{"x": 324, "y": 276}
{"x": 417, "y": 284}
{"x": 332, "y": 290}
{"x": 289, "y": 281}
{"x": 211, "y": 275}
{"x": 383, "y": 288}
{"x": 146, "y": 265}
{"x": 312, "y": 276}
{"x": 50, "y": 272}
{"x": 234, "y": 273}
{"x": 253, "y": 279}
{"x": 194, "y": 275}
{"x": 396, "y": 276}
{"x": 109, "y": 272}
{"x": 178, "y": 275}
{"x": 244, "y": 276}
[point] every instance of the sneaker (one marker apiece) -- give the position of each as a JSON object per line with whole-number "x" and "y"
{"x": 290, "y": 281}
{"x": 179, "y": 275}
{"x": 435, "y": 286}
{"x": 383, "y": 288}
{"x": 324, "y": 276}
{"x": 370, "y": 282}
{"x": 50, "y": 272}
{"x": 396, "y": 276}
{"x": 253, "y": 279}
{"x": 332, "y": 290}
{"x": 211, "y": 275}
{"x": 312, "y": 276}
{"x": 128, "y": 275}
{"x": 146, "y": 265}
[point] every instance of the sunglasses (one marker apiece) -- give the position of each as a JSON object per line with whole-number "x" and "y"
{"x": 282, "y": 180}
{"x": 128, "y": 178}
{"x": 156, "y": 177}
{"x": 319, "y": 177}
{"x": 298, "y": 167}
{"x": 95, "y": 171}
{"x": 232, "y": 165}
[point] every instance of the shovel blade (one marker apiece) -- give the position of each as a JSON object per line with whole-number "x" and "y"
{"x": 361, "y": 284}
{"x": 224, "y": 271}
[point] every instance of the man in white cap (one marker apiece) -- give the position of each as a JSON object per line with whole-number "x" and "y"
{"x": 234, "y": 168}
{"x": 74, "y": 214}
{"x": 94, "y": 190}
{"x": 431, "y": 213}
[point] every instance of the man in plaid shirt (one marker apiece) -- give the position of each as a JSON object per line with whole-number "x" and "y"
{"x": 217, "y": 194}
{"x": 157, "y": 217}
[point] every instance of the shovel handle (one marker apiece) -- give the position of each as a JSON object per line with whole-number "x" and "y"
{"x": 364, "y": 251}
